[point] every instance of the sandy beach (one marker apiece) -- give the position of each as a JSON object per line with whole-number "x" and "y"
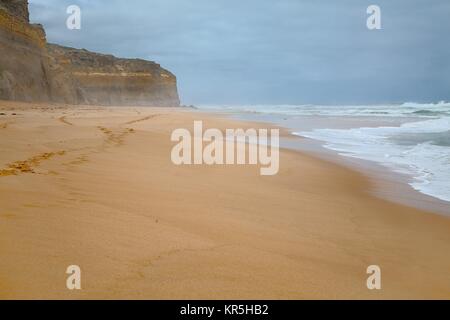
{"x": 95, "y": 187}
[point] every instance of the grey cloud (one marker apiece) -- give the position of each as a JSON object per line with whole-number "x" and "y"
{"x": 266, "y": 51}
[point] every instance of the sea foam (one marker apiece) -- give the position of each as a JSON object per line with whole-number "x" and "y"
{"x": 420, "y": 147}
{"x": 408, "y": 149}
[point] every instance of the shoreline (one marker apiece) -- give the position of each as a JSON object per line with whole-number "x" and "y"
{"x": 142, "y": 228}
{"x": 388, "y": 184}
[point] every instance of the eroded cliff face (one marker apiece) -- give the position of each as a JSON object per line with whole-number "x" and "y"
{"x": 104, "y": 79}
{"x": 23, "y": 54}
{"x": 32, "y": 70}
{"x": 17, "y": 8}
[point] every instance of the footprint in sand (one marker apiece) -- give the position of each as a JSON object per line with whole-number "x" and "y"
{"x": 27, "y": 166}
{"x": 65, "y": 121}
{"x": 78, "y": 161}
{"x": 7, "y": 215}
{"x": 116, "y": 138}
{"x": 143, "y": 119}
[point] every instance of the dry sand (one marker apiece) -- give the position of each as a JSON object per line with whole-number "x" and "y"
{"x": 95, "y": 187}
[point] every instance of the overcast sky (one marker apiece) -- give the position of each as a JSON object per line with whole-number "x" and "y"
{"x": 272, "y": 51}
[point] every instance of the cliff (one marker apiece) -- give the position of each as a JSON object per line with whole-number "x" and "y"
{"x": 32, "y": 70}
{"x": 17, "y": 8}
{"x": 105, "y": 79}
{"x": 22, "y": 55}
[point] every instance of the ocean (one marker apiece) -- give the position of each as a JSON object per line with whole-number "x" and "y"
{"x": 410, "y": 138}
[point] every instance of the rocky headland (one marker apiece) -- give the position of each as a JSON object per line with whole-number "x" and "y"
{"x": 33, "y": 70}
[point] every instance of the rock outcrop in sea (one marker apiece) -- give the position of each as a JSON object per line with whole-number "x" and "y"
{"x": 33, "y": 70}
